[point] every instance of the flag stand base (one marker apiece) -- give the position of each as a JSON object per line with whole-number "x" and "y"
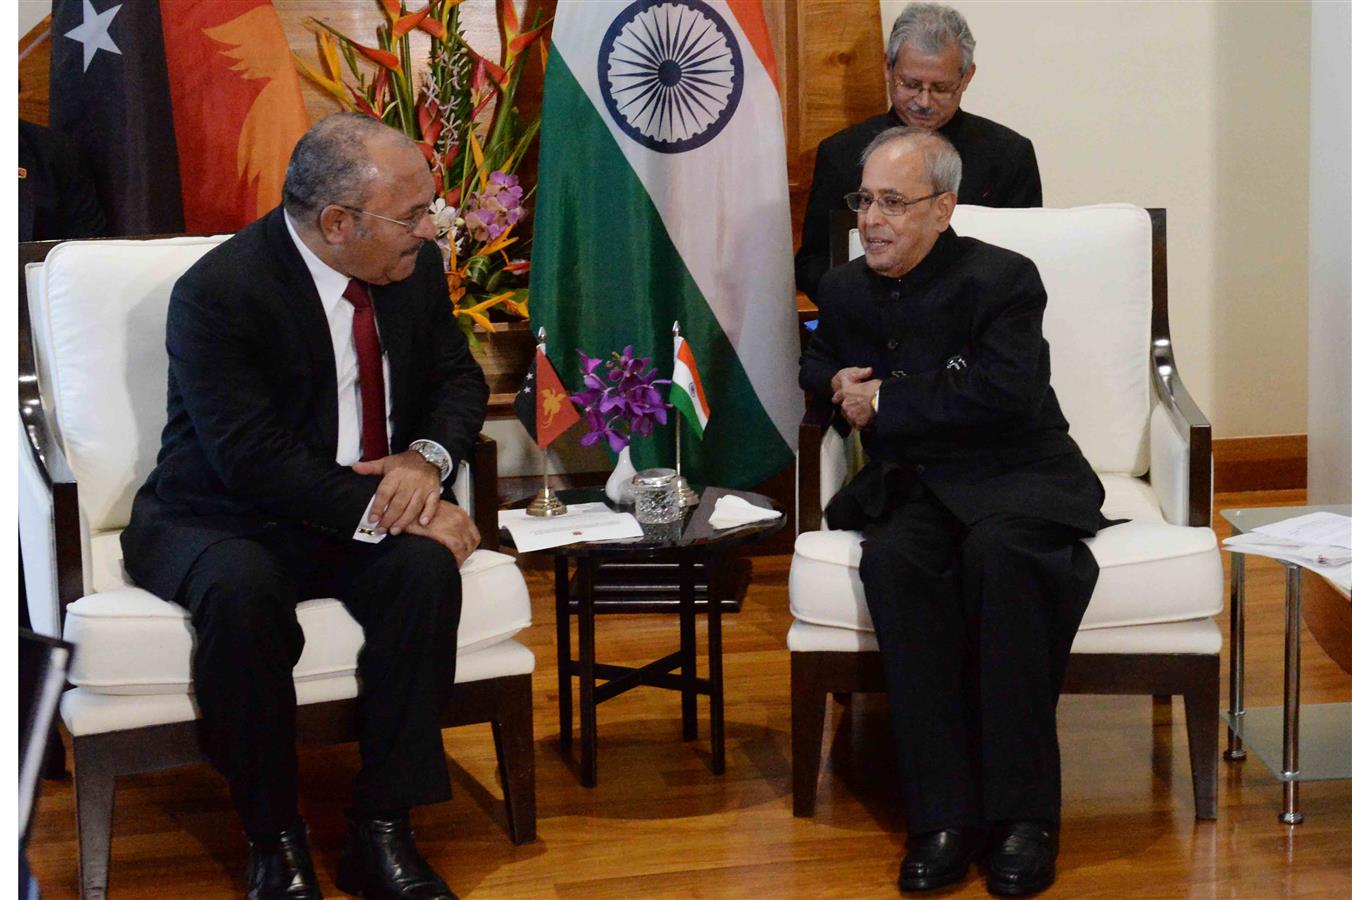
{"x": 546, "y": 504}
{"x": 687, "y": 496}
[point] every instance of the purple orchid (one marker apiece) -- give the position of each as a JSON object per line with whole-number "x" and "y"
{"x": 496, "y": 208}
{"x": 630, "y": 405}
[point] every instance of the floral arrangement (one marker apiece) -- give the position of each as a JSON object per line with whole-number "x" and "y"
{"x": 622, "y": 401}
{"x": 480, "y": 199}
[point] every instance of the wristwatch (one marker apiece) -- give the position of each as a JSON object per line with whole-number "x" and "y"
{"x": 435, "y": 454}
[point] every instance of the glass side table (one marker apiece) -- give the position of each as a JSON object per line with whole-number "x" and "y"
{"x": 1274, "y": 733}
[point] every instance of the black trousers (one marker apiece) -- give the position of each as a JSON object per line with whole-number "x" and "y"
{"x": 974, "y": 624}
{"x": 242, "y": 594}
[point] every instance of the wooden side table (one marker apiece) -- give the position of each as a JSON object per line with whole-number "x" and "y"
{"x": 690, "y": 544}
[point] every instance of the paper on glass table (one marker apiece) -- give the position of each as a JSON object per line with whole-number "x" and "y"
{"x": 1316, "y": 528}
{"x": 1315, "y": 542}
{"x": 583, "y": 523}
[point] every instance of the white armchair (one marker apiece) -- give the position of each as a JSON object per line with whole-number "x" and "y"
{"x": 1148, "y": 628}
{"x": 92, "y": 368}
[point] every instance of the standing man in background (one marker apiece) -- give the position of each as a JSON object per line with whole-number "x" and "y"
{"x": 929, "y": 65}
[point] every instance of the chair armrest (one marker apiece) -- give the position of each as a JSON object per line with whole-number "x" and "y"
{"x": 1183, "y": 458}
{"x": 38, "y": 439}
{"x": 817, "y": 419}
{"x": 484, "y": 471}
{"x": 56, "y": 475}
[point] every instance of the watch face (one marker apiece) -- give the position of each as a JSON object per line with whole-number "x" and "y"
{"x": 435, "y": 458}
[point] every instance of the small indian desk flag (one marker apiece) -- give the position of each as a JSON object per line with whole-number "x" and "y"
{"x": 542, "y": 404}
{"x": 687, "y": 392}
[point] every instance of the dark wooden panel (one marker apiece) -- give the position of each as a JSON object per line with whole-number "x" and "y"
{"x": 1271, "y": 463}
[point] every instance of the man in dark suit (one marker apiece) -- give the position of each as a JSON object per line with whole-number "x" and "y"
{"x": 319, "y": 395}
{"x": 929, "y": 65}
{"x": 57, "y": 196}
{"x": 972, "y": 507}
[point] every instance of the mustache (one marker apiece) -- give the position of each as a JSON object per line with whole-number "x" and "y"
{"x": 920, "y": 110}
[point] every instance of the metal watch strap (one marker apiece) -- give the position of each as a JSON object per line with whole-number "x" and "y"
{"x": 434, "y": 455}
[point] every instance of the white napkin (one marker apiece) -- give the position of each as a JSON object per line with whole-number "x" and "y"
{"x": 731, "y": 511}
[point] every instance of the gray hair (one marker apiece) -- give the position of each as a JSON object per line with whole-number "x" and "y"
{"x": 929, "y": 28}
{"x": 331, "y": 163}
{"x": 942, "y": 163}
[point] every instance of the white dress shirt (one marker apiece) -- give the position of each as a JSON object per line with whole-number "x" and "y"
{"x": 330, "y": 284}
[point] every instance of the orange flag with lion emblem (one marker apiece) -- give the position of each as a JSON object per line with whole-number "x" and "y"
{"x": 542, "y": 404}
{"x": 237, "y": 108}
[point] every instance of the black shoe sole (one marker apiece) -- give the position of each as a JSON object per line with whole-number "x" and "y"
{"x": 1020, "y": 890}
{"x": 349, "y": 883}
{"x": 932, "y": 883}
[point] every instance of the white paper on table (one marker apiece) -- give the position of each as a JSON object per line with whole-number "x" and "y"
{"x": 1337, "y": 570}
{"x": 583, "y": 523}
{"x": 1322, "y": 529}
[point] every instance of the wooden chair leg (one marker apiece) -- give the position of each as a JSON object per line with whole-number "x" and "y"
{"x": 1201, "y": 703}
{"x": 514, "y": 739}
{"x": 1162, "y": 708}
{"x": 808, "y": 715}
{"x": 93, "y": 820}
{"x": 54, "y": 758}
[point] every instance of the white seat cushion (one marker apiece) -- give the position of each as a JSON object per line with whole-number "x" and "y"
{"x": 1125, "y": 497}
{"x": 1195, "y": 636}
{"x": 129, "y": 641}
{"x": 87, "y": 712}
{"x": 1149, "y": 572}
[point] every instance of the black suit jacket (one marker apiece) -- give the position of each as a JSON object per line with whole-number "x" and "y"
{"x": 999, "y": 168}
{"x": 252, "y": 434}
{"x": 966, "y": 403}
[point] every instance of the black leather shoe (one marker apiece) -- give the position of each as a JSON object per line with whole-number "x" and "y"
{"x": 1022, "y": 860}
{"x": 380, "y": 862}
{"x": 280, "y": 867}
{"x": 936, "y": 859}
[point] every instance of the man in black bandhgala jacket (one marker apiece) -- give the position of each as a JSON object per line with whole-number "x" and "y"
{"x": 320, "y": 393}
{"x": 929, "y": 65}
{"x": 972, "y": 506}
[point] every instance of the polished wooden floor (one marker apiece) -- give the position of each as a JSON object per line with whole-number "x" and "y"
{"x": 660, "y": 824}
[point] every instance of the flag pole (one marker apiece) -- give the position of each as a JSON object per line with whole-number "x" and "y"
{"x": 546, "y": 502}
{"x": 684, "y": 492}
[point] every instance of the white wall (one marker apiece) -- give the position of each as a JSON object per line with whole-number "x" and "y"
{"x": 1330, "y": 367}
{"x": 31, "y": 12}
{"x": 1201, "y": 108}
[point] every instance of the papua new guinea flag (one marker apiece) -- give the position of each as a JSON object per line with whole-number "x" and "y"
{"x": 542, "y": 404}
{"x": 664, "y": 196}
{"x": 187, "y": 109}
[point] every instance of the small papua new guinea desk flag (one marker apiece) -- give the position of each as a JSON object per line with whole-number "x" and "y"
{"x": 542, "y": 404}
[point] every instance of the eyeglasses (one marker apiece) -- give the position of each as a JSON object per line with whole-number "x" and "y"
{"x": 942, "y": 91}
{"x": 410, "y": 225}
{"x": 888, "y": 204}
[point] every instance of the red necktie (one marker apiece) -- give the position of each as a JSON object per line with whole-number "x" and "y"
{"x": 370, "y": 373}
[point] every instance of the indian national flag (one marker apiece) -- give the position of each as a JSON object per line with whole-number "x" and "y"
{"x": 687, "y": 391}
{"x": 664, "y": 195}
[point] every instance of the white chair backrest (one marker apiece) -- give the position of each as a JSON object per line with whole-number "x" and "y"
{"x": 1095, "y": 262}
{"x": 98, "y": 310}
